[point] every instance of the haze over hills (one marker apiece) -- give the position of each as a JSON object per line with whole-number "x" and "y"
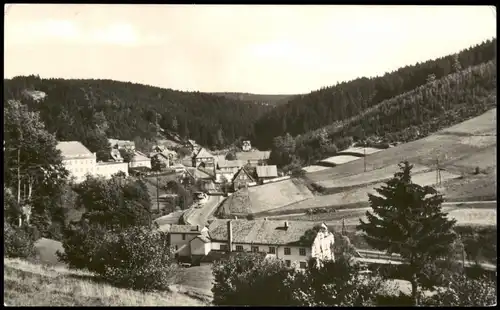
{"x": 89, "y": 110}
{"x": 272, "y": 100}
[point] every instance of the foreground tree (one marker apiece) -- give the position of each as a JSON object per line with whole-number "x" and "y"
{"x": 407, "y": 219}
{"x": 32, "y": 164}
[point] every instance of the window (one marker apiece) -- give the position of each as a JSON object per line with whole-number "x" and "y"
{"x": 287, "y": 251}
{"x": 223, "y": 247}
{"x": 272, "y": 250}
{"x": 303, "y": 265}
{"x": 302, "y": 252}
{"x": 288, "y": 263}
{"x": 183, "y": 236}
{"x": 255, "y": 249}
{"x": 239, "y": 248}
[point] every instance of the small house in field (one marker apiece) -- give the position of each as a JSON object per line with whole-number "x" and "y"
{"x": 242, "y": 179}
{"x": 247, "y": 146}
{"x": 204, "y": 158}
{"x": 140, "y": 160}
{"x": 266, "y": 172}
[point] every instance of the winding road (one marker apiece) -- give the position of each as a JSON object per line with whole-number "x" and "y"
{"x": 200, "y": 215}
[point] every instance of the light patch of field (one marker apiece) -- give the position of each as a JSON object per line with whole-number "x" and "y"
{"x": 485, "y": 159}
{"x": 360, "y": 151}
{"x": 473, "y": 216}
{"x": 480, "y": 187}
{"x": 485, "y": 124}
{"x": 447, "y": 147}
{"x": 339, "y": 159}
{"x": 313, "y": 168}
{"x": 27, "y": 284}
{"x": 275, "y": 195}
{"x": 360, "y": 195}
{"x": 46, "y": 250}
{"x": 373, "y": 176}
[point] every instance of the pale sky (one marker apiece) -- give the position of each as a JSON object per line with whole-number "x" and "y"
{"x": 245, "y": 48}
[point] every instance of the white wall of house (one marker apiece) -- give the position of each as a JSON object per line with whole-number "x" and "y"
{"x": 198, "y": 247}
{"x": 322, "y": 246}
{"x": 177, "y": 240}
{"x": 108, "y": 169}
{"x": 140, "y": 163}
{"x": 79, "y": 167}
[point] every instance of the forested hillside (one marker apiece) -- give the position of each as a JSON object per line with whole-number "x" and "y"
{"x": 328, "y": 105}
{"x": 90, "y": 110}
{"x": 272, "y": 100}
{"x": 410, "y": 116}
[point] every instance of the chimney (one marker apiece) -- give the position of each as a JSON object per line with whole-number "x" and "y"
{"x": 229, "y": 235}
{"x": 235, "y": 217}
{"x": 197, "y": 227}
{"x": 265, "y": 219}
{"x": 286, "y": 224}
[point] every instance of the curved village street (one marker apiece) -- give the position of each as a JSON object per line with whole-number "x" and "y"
{"x": 199, "y": 216}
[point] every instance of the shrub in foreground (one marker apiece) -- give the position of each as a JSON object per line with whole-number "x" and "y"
{"x": 140, "y": 258}
{"x": 18, "y": 243}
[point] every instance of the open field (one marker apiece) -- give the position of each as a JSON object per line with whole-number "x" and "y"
{"x": 314, "y": 168}
{"x": 484, "y": 124}
{"x": 481, "y": 187}
{"x": 355, "y": 197}
{"x": 266, "y": 197}
{"x": 359, "y": 151}
{"x": 448, "y": 147}
{"x": 28, "y": 284}
{"x": 361, "y": 179}
{"x": 339, "y": 160}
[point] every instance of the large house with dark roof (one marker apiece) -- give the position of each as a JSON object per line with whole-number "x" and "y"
{"x": 286, "y": 240}
{"x": 204, "y": 158}
{"x": 242, "y": 178}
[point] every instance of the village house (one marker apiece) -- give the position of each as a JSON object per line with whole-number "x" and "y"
{"x": 116, "y": 156}
{"x": 246, "y": 146}
{"x": 181, "y": 237}
{"x": 206, "y": 179}
{"x": 254, "y": 158}
{"x": 286, "y": 240}
{"x": 226, "y": 169}
{"x": 242, "y": 178}
{"x": 122, "y": 144}
{"x": 204, "y": 158}
{"x": 140, "y": 160}
{"x": 192, "y": 146}
{"x": 266, "y": 173}
{"x": 108, "y": 169}
{"x": 77, "y": 159}
{"x": 162, "y": 157}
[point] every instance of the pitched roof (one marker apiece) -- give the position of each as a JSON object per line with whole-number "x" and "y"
{"x": 203, "y": 238}
{"x": 139, "y": 156}
{"x": 253, "y": 155}
{"x": 73, "y": 149}
{"x": 183, "y": 229}
{"x": 230, "y": 163}
{"x": 242, "y": 170}
{"x": 267, "y": 171}
{"x": 197, "y": 173}
{"x": 260, "y": 231}
{"x": 203, "y": 153}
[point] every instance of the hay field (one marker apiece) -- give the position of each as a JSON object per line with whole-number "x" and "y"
{"x": 485, "y": 124}
{"x": 339, "y": 159}
{"x": 448, "y": 147}
{"x": 28, "y": 284}
{"x": 369, "y": 177}
{"x": 480, "y": 187}
{"x": 314, "y": 168}
{"x": 359, "y": 195}
{"x": 360, "y": 151}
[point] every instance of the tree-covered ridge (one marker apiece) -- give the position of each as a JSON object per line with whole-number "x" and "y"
{"x": 87, "y": 110}
{"x": 328, "y": 105}
{"x": 410, "y": 116}
{"x": 272, "y": 100}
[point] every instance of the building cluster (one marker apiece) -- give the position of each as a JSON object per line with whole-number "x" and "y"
{"x": 286, "y": 240}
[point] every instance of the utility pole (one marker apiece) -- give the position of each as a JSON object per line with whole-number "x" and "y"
{"x": 158, "y": 190}
{"x": 19, "y": 183}
{"x": 364, "y": 154}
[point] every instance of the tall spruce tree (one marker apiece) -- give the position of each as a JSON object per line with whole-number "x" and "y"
{"x": 407, "y": 219}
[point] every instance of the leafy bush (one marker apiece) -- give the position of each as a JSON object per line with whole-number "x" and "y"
{"x": 17, "y": 242}
{"x": 139, "y": 258}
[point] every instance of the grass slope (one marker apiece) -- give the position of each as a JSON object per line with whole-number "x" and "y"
{"x": 28, "y": 284}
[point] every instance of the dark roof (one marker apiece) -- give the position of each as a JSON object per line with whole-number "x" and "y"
{"x": 231, "y": 163}
{"x": 244, "y": 171}
{"x": 253, "y": 155}
{"x": 260, "y": 231}
{"x": 183, "y": 229}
